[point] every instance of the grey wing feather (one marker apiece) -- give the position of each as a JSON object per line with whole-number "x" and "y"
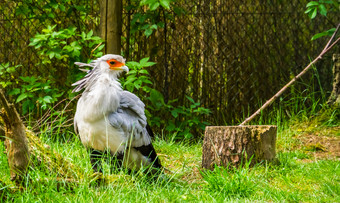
{"x": 130, "y": 117}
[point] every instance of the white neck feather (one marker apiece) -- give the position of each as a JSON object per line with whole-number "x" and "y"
{"x": 101, "y": 97}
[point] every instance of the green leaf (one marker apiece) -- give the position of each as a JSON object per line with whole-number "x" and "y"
{"x": 147, "y": 82}
{"x": 149, "y": 64}
{"x": 96, "y": 38}
{"x": 308, "y": 10}
{"x": 322, "y": 10}
{"x": 314, "y": 13}
{"x": 326, "y": 33}
{"x": 156, "y": 98}
{"x": 71, "y": 31}
{"x": 154, "y": 26}
{"x": 21, "y": 97}
{"x": 131, "y": 64}
{"x": 58, "y": 56}
{"x": 316, "y": 36}
{"x": 14, "y": 91}
{"x": 62, "y": 7}
{"x": 51, "y": 55}
{"x": 47, "y": 99}
{"x": 190, "y": 99}
{"x": 143, "y": 71}
{"x": 28, "y": 79}
{"x": 130, "y": 87}
{"x": 27, "y": 105}
{"x": 143, "y": 61}
{"x": 11, "y": 69}
{"x": 188, "y": 135}
{"x": 100, "y": 47}
{"x": 138, "y": 84}
{"x": 312, "y": 3}
{"x": 160, "y": 24}
{"x": 174, "y": 113}
{"x": 89, "y": 35}
{"x": 165, "y": 3}
{"x": 147, "y": 2}
{"x": 6, "y": 65}
{"x": 171, "y": 126}
{"x": 55, "y": 95}
{"x": 148, "y": 32}
{"x": 132, "y": 72}
{"x": 129, "y": 80}
{"x": 34, "y": 41}
{"x": 154, "y": 6}
{"x": 83, "y": 36}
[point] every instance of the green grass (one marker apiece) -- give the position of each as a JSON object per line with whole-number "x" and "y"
{"x": 297, "y": 178}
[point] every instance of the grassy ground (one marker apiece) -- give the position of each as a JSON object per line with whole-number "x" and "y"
{"x": 309, "y": 171}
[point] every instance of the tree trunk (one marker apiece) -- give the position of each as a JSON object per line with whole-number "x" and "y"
{"x": 111, "y": 25}
{"x": 16, "y": 141}
{"x": 233, "y": 145}
{"x": 334, "y": 99}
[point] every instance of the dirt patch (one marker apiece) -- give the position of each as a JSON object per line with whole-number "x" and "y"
{"x": 321, "y": 146}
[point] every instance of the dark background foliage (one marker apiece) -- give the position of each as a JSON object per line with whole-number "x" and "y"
{"x": 227, "y": 56}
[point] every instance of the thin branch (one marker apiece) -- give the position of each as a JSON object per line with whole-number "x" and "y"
{"x": 271, "y": 100}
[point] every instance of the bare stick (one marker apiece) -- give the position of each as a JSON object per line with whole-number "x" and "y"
{"x": 271, "y": 100}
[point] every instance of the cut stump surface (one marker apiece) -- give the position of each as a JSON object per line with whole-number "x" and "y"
{"x": 233, "y": 145}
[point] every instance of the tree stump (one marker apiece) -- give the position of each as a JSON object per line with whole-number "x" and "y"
{"x": 16, "y": 140}
{"x": 230, "y": 146}
{"x": 334, "y": 99}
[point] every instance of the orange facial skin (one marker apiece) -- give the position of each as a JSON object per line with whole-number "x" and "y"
{"x": 114, "y": 64}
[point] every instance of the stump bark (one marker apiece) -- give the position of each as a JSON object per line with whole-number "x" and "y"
{"x": 230, "y": 146}
{"x": 16, "y": 141}
{"x": 334, "y": 99}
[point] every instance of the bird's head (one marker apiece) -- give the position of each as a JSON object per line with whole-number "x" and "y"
{"x": 109, "y": 64}
{"x": 113, "y": 64}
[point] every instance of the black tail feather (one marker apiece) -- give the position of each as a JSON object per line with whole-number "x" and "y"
{"x": 148, "y": 128}
{"x": 149, "y": 151}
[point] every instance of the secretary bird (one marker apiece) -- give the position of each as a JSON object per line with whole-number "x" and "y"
{"x": 110, "y": 119}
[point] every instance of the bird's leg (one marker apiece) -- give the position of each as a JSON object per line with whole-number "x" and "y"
{"x": 95, "y": 158}
{"x": 116, "y": 162}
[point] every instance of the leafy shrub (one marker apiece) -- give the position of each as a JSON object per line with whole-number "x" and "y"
{"x": 184, "y": 120}
{"x": 138, "y": 76}
{"x": 58, "y": 45}
{"x": 322, "y": 7}
{"x": 35, "y": 92}
{"x": 151, "y": 14}
{"x": 65, "y": 43}
{"x": 6, "y": 74}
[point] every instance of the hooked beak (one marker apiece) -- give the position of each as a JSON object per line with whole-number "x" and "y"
{"x": 125, "y": 68}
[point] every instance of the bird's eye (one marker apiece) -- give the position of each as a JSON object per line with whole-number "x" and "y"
{"x": 112, "y": 62}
